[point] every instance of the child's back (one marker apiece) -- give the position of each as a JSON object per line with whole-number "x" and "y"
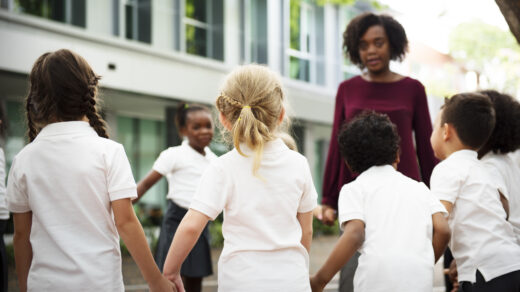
{"x": 69, "y": 175}
{"x": 397, "y": 212}
{"x": 262, "y": 249}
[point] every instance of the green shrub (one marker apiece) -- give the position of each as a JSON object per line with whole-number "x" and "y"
{"x": 322, "y": 229}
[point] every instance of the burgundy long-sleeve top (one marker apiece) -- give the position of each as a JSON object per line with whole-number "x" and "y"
{"x": 405, "y": 103}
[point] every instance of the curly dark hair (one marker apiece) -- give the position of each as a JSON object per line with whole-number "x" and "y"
{"x": 472, "y": 115}
{"x": 361, "y": 23}
{"x": 505, "y": 137}
{"x": 63, "y": 87}
{"x": 370, "y": 139}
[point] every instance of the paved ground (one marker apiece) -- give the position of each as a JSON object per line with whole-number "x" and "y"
{"x": 321, "y": 247}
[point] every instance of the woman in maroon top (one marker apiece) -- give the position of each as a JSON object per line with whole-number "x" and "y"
{"x": 371, "y": 41}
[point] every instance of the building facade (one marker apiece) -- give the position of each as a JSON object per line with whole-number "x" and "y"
{"x": 152, "y": 54}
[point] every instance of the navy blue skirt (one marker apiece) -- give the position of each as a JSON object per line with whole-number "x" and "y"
{"x": 198, "y": 263}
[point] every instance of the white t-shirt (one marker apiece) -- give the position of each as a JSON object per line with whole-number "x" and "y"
{"x": 397, "y": 212}
{"x": 68, "y": 177}
{"x": 481, "y": 238}
{"x": 506, "y": 173}
{"x": 262, "y": 249}
{"x": 183, "y": 166}
{"x": 4, "y": 212}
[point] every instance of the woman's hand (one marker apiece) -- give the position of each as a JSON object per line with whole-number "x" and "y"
{"x": 176, "y": 280}
{"x": 163, "y": 285}
{"x": 328, "y": 215}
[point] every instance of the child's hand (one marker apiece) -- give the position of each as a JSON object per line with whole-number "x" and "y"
{"x": 162, "y": 285}
{"x": 316, "y": 284}
{"x": 177, "y": 281}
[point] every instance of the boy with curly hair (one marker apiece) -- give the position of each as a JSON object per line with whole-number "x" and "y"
{"x": 396, "y": 223}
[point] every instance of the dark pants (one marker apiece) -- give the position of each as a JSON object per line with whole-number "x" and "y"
{"x": 346, "y": 276}
{"x": 3, "y": 255}
{"x": 505, "y": 283}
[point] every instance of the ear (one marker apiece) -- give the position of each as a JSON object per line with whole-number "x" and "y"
{"x": 447, "y": 131}
{"x": 397, "y": 160}
{"x": 182, "y": 132}
{"x": 282, "y": 115}
{"x": 224, "y": 121}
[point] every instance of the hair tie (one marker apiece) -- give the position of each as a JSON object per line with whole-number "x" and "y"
{"x": 186, "y": 106}
{"x": 246, "y": 106}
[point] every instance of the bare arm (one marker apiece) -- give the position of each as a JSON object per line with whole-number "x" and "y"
{"x": 305, "y": 220}
{"x": 349, "y": 242}
{"x": 133, "y": 236}
{"x": 441, "y": 234}
{"x": 185, "y": 238}
{"x": 505, "y": 204}
{"x": 146, "y": 183}
{"x": 22, "y": 247}
{"x": 448, "y": 206}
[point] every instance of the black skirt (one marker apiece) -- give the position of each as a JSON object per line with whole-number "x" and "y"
{"x": 198, "y": 263}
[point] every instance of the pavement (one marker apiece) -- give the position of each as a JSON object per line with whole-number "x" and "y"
{"x": 321, "y": 247}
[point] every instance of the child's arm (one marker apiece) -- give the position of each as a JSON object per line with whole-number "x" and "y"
{"x": 441, "y": 234}
{"x": 146, "y": 183}
{"x": 133, "y": 236}
{"x": 349, "y": 242}
{"x": 22, "y": 247}
{"x": 305, "y": 220}
{"x": 448, "y": 205}
{"x": 505, "y": 204}
{"x": 185, "y": 238}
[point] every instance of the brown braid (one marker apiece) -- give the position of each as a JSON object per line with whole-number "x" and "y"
{"x": 94, "y": 119}
{"x": 31, "y": 129}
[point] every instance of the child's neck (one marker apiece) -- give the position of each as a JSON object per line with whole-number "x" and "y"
{"x": 198, "y": 149}
{"x": 455, "y": 148}
{"x": 384, "y": 76}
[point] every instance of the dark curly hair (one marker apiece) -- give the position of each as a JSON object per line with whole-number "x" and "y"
{"x": 63, "y": 87}
{"x": 370, "y": 139}
{"x": 506, "y": 134}
{"x": 361, "y": 23}
{"x": 472, "y": 115}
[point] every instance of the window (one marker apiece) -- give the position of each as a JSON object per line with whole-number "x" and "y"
{"x": 200, "y": 30}
{"x": 65, "y": 11}
{"x": 305, "y": 48}
{"x": 346, "y": 14}
{"x": 138, "y": 20}
{"x": 254, "y": 41}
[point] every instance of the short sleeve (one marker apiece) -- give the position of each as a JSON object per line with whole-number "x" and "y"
{"x": 497, "y": 177}
{"x": 166, "y": 162}
{"x": 212, "y": 192}
{"x": 17, "y": 198}
{"x": 121, "y": 183}
{"x": 350, "y": 204}
{"x": 445, "y": 182}
{"x": 309, "y": 199}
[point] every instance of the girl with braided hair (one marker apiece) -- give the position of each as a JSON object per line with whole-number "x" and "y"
{"x": 70, "y": 189}
{"x": 183, "y": 166}
{"x": 264, "y": 189}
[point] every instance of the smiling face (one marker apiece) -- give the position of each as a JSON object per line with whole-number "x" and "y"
{"x": 374, "y": 49}
{"x": 198, "y": 130}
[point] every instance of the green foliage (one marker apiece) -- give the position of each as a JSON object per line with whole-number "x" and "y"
{"x": 322, "y": 229}
{"x": 489, "y": 50}
{"x": 215, "y": 231}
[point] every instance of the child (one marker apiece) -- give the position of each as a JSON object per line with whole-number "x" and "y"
{"x": 183, "y": 166}
{"x": 496, "y": 153}
{"x": 264, "y": 188}
{"x": 394, "y": 220}
{"x": 483, "y": 242}
{"x": 70, "y": 189}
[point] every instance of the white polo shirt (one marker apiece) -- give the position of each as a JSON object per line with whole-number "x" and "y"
{"x": 262, "y": 249}
{"x": 183, "y": 166}
{"x": 481, "y": 238}
{"x": 506, "y": 173}
{"x": 68, "y": 177}
{"x": 4, "y": 212}
{"x": 397, "y": 212}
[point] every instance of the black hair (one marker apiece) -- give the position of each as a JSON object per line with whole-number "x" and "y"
{"x": 183, "y": 109}
{"x": 473, "y": 117}
{"x": 361, "y": 23}
{"x": 506, "y": 134}
{"x": 370, "y": 139}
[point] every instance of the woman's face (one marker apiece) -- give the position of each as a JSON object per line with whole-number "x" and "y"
{"x": 374, "y": 49}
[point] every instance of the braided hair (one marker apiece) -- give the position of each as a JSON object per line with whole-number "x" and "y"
{"x": 63, "y": 87}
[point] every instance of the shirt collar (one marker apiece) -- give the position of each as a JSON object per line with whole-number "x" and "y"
{"x": 65, "y": 128}
{"x": 377, "y": 170}
{"x": 464, "y": 154}
{"x": 275, "y": 145}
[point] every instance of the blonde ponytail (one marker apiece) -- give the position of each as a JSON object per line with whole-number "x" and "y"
{"x": 252, "y": 100}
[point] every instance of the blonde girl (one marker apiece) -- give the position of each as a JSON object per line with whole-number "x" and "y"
{"x": 264, "y": 189}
